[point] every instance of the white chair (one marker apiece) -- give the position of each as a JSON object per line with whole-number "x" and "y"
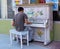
{"x": 21, "y": 34}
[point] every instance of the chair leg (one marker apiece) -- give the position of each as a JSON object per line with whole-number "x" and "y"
{"x": 27, "y": 39}
{"x": 21, "y": 41}
{"x": 17, "y": 37}
{"x": 11, "y": 38}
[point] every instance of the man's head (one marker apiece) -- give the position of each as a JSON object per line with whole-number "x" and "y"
{"x": 20, "y": 9}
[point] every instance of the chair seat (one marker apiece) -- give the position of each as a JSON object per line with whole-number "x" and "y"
{"x": 18, "y": 32}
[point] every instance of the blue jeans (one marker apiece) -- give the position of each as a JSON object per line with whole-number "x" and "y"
{"x": 30, "y": 32}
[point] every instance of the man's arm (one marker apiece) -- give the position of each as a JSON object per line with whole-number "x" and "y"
{"x": 26, "y": 19}
{"x": 13, "y": 21}
{"x": 27, "y": 22}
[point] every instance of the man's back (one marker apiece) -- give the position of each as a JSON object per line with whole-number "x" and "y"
{"x": 19, "y": 21}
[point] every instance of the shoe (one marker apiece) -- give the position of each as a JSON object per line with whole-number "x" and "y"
{"x": 19, "y": 40}
{"x": 31, "y": 41}
{"x": 24, "y": 42}
{"x": 15, "y": 39}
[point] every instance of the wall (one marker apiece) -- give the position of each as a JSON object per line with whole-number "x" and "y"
{"x": 57, "y": 31}
{"x": 5, "y": 25}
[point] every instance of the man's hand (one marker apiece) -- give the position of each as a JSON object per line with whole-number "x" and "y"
{"x": 13, "y": 23}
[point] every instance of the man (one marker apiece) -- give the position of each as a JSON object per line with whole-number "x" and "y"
{"x": 19, "y": 19}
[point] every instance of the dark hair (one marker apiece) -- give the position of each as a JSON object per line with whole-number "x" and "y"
{"x": 20, "y": 9}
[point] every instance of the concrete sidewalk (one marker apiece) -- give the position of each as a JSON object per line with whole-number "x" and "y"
{"x": 5, "y": 44}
